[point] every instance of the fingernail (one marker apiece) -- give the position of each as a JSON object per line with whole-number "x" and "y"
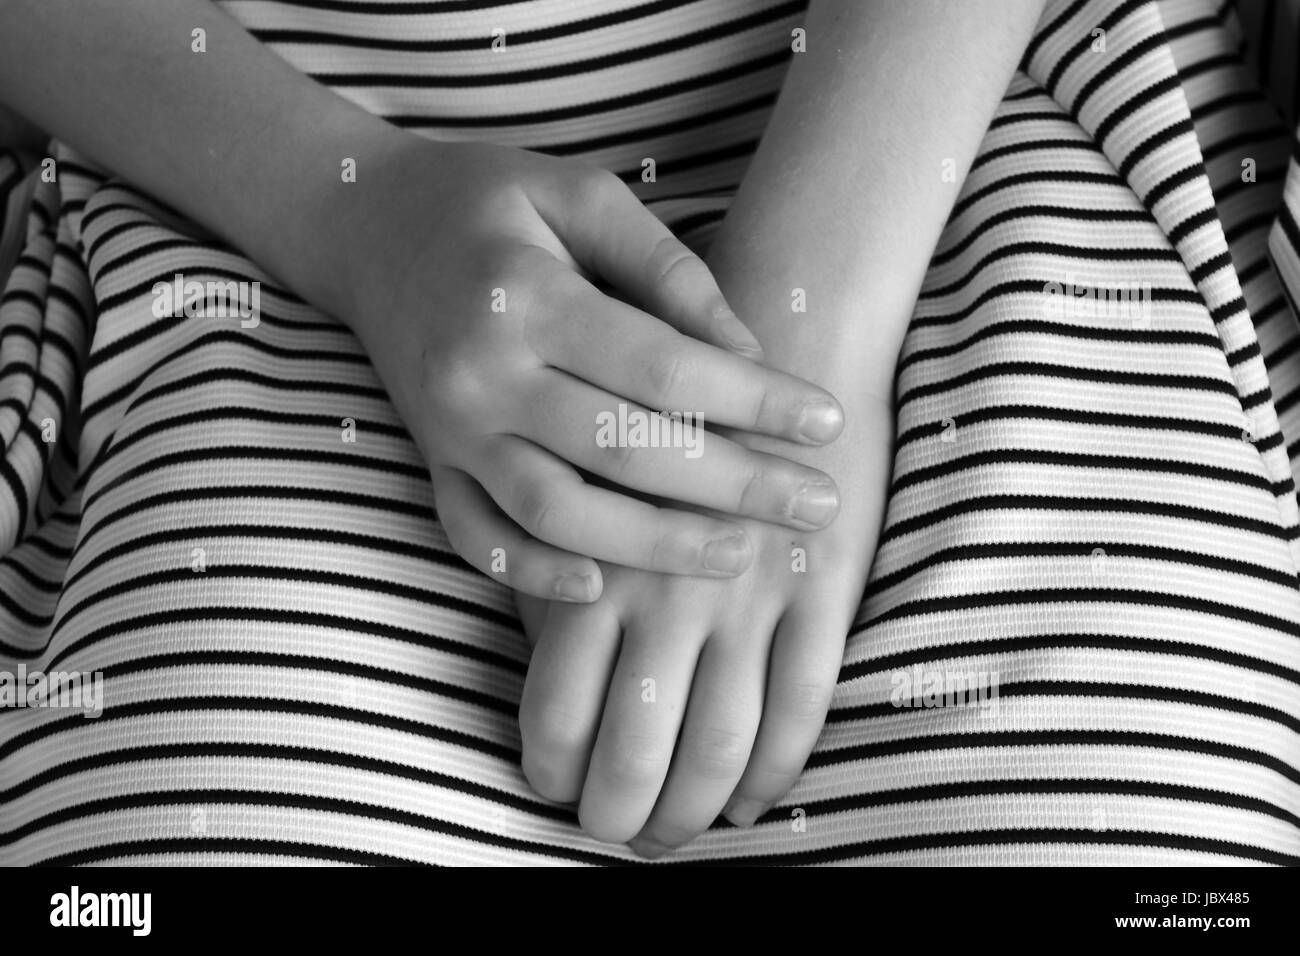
{"x": 729, "y": 555}
{"x": 743, "y": 813}
{"x": 815, "y": 504}
{"x": 648, "y": 849}
{"x": 579, "y": 588}
{"x": 820, "y": 421}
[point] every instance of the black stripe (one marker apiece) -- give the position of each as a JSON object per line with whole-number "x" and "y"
{"x": 412, "y": 509}
{"x": 1076, "y": 550}
{"x": 279, "y": 752}
{"x": 518, "y": 38}
{"x": 213, "y": 454}
{"x": 593, "y": 107}
{"x": 988, "y": 223}
{"x": 1074, "y": 416}
{"x": 263, "y": 705}
{"x": 644, "y": 134}
{"x": 1030, "y": 146}
{"x": 307, "y": 535}
{"x": 959, "y": 790}
{"x": 226, "y": 413}
{"x": 1049, "y": 738}
{"x": 1029, "y": 836}
{"x": 1084, "y": 45}
{"x": 1025, "y": 502}
{"x": 1127, "y": 336}
{"x": 1066, "y": 459}
{"x": 1044, "y": 33}
{"x": 1134, "y": 103}
{"x": 856, "y": 670}
{"x": 1097, "y": 253}
{"x": 323, "y": 665}
{"x": 1038, "y": 287}
{"x": 310, "y": 851}
{"x": 570, "y": 68}
{"x": 1153, "y": 143}
{"x": 1041, "y": 597}
{"x": 307, "y": 619}
{"x": 1093, "y": 691}
{"x": 1110, "y": 376}
{"x": 243, "y": 575}
{"x": 1115, "y": 65}
{"x": 1063, "y": 177}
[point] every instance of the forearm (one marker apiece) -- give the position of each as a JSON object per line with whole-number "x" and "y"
{"x": 233, "y": 137}
{"x": 846, "y": 197}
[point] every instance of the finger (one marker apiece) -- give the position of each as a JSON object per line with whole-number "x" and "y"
{"x": 564, "y": 694}
{"x": 611, "y": 232}
{"x": 550, "y": 501}
{"x": 532, "y": 615}
{"x": 805, "y": 663}
{"x": 498, "y": 547}
{"x": 717, "y": 736}
{"x": 643, "y": 712}
{"x": 612, "y": 345}
{"x": 647, "y": 452}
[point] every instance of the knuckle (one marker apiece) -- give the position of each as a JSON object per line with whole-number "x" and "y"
{"x": 668, "y": 375}
{"x": 637, "y": 761}
{"x": 554, "y": 285}
{"x": 754, "y": 481}
{"x": 540, "y": 510}
{"x": 555, "y": 295}
{"x": 666, "y": 551}
{"x": 768, "y": 404}
{"x": 770, "y": 781}
{"x": 616, "y": 461}
{"x": 669, "y": 258}
{"x": 549, "y": 729}
{"x": 716, "y": 753}
{"x": 600, "y": 183}
{"x": 538, "y": 294}
{"x": 535, "y": 286}
{"x": 498, "y": 263}
{"x": 552, "y": 778}
{"x": 451, "y": 379}
{"x": 672, "y": 833}
{"x": 804, "y": 699}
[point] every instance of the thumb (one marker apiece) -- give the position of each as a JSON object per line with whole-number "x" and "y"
{"x": 614, "y": 236}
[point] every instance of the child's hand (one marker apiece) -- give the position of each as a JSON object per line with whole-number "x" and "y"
{"x": 646, "y": 705}
{"x": 469, "y": 293}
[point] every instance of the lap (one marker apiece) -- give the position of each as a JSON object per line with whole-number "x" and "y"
{"x": 297, "y": 666}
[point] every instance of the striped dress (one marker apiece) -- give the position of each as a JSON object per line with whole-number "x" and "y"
{"x": 1094, "y": 502}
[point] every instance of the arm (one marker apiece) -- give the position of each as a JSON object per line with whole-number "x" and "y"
{"x": 414, "y": 256}
{"x": 845, "y": 198}
{"x": 235, "y": 138}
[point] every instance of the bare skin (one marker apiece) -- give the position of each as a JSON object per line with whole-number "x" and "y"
{"x": 742, "y": 647}
{"x": 476, "y": 303}
{"x": 743, "y": 670}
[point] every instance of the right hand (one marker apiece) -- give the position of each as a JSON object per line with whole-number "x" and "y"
{"x": 471, "y": 295}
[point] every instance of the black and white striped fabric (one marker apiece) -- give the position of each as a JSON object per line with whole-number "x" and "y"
{"x": 1093, "y": 495}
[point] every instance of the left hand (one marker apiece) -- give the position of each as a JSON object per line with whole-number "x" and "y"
{"x": 670, "y": 698}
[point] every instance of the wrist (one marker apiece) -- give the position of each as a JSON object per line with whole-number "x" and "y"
{"x": 841, "y": 338}
{"x": 345, "y": 215}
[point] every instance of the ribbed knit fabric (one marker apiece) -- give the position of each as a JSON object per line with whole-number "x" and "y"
{"x": 1094, "y": 504}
